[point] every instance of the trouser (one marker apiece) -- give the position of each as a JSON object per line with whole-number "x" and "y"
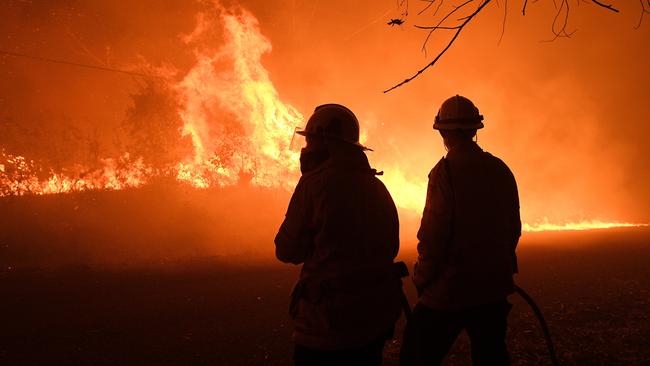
{"x": 368, "y": 355}
{"x": 430, "y": 333}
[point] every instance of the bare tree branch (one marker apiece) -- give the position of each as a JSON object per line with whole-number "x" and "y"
{"x": 610, "y": 7}
{"x": 643, "y": 11}
{"x": 456, "y": 8}
{"x": 460, "y": 29}
{"x": 523, "y": 10}
{"x": 440, "y": 5}
{"x": 437, "y": 26}
{"x": 428, "y": 6}
{"x": 561, "y": 32}
{"x": 505, "y": 16}
{"x": 558, "y": 26}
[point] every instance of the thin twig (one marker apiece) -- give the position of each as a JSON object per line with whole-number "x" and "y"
{"x": 447, "y": 16}
{"x": 610, "y": 7}
{"x": 401, "y": 4}
{"x": 561, "y": 32}
{"x": 426, "y": 40}
{"x": 462, "y": 26}
{"x": 523, "y": 10}
{"x": 440, "y": 5}
{"x": 643, "y": 11}
{"x": 434, "y": 28}
{"x": 505, "y": 16}
{"x": 430, "y": 2}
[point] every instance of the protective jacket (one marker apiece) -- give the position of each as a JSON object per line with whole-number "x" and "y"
{"x": 469, "y": 231}
{"x": 342, "y": 225}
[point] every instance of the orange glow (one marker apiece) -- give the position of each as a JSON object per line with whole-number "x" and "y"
{"x": 260, "y": 148}
{"x": 241, "y": 130}
{"x": 408, "y": 194}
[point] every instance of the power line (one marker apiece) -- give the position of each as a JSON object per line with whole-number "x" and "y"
{"x": 95, "y": 67}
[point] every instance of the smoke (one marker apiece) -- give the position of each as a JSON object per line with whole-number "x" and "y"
{"x": 160, "y": 223}
{"x": 567, "y": 116}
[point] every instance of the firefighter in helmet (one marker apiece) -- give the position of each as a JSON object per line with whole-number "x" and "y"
{"x": 342, "y": 226}
{"x": 466, "y": 247}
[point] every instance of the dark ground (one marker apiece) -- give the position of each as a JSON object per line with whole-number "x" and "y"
{"x": 594, "y": 289}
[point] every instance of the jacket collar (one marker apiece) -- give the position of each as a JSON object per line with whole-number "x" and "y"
{"x": 348, "y": 156}
{"x": 464, "y": 148}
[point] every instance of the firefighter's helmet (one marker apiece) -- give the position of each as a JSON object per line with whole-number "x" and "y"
{"x": 333, "y": 121}
{"x": 458, "y": 113}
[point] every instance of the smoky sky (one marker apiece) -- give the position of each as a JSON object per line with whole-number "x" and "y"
{"x": 569, "y": 117}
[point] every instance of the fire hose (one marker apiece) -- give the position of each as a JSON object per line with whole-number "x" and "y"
{"x": 401, "y": 270}
{"x": 542, "y": 323}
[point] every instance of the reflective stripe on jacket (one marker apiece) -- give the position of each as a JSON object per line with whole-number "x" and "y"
{"x": 342, "y": 225}
{"x": 469, "y": 231}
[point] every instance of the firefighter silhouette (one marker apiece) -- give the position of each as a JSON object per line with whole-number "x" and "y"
{"x": 466, "y": 250}
{"x": 342, "y": 226}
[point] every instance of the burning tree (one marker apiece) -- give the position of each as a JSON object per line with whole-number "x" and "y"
{"x": 154, "y": 126}
{"x": 455, "y": 16}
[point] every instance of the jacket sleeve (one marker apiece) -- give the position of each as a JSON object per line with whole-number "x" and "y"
{"x": 390, "y": 230}
{"x": 516, "y": 223}
{"x": 434, "y": 236}
{"x": 294, "y": 242}
{"x": 393, "y": 228}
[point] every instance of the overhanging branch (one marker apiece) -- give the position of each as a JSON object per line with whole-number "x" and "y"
{"x": 460, "y": 29}
{"x": 610, "y": 7}
{"x": 559, "y": 24}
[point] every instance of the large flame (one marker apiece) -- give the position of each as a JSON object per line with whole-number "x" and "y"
{"x": 258, "y": 142}
{"x": 19, "y": 176}
{"x": 230, "y": 109}
{"x": 239, "y": 128}
{"x": 545, "y": 225}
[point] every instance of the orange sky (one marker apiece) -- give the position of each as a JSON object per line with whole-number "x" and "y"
{"x": 569, "y": 116}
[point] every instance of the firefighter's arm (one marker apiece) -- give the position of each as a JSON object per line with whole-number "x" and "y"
{"x": 434, "y": 234}
{"x": 394, "y": 232}
{"x": 516, "y": 224}
{"x": 392, "y": 229}
{"x": 293, "y": 243}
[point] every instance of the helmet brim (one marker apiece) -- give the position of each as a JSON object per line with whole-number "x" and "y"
{"x": 457, "y": 126}
{"x": 357, "y": 144}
